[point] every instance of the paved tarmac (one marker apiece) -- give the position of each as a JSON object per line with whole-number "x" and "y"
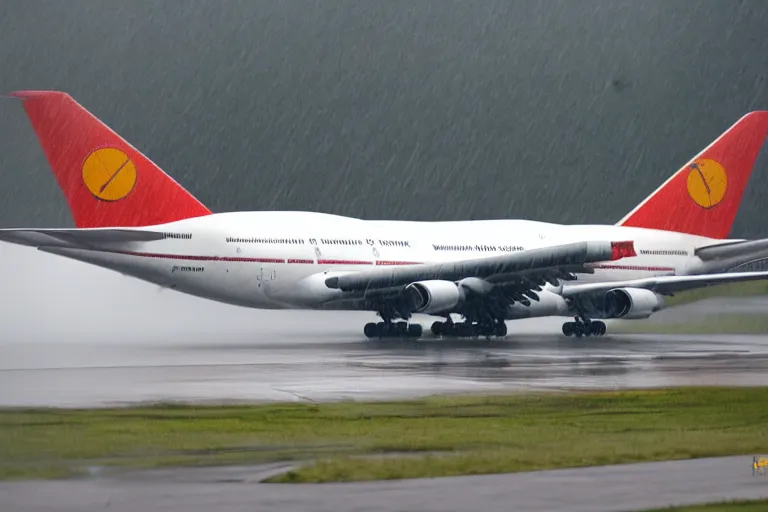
{"x": 616, "y": 488}
{"x": 327, "y": 365}
{"x": 301, "y": 368}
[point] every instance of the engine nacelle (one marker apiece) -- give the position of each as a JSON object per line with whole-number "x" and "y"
{"x": 433, "y": 296}
{"x": 549, "y": 304}
{"x": 632, "y": 303}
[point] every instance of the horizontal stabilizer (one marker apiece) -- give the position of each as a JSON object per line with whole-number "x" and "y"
{"x": 76, "y": 237}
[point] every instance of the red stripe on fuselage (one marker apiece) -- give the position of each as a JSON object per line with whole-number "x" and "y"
{"x": 188, "y": 257}
{"x": 198, "y": 258}
{"x": 251, "y": 260}
{"x": 635, "y": 267}
{"x": 344, "y": 262}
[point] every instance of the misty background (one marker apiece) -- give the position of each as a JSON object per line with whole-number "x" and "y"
{"x": 559, "y": 111}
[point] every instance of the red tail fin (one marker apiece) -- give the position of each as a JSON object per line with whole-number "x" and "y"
{"x": 106, "y": 181}
{"x": 704, "y": 196}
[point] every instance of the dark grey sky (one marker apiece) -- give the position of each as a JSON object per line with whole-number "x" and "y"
{"x": 555, "y": 110}
{"x": 565, "y": 111}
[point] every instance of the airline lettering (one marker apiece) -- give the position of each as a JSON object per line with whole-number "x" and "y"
{"x": 478, "y": 248}
{"x": 182, "y": 236}
{"x": 394, "y": 243}
{"x": 451, "y": 247}
{"x": 177, "y": 268}
{"x": 664, "y": 252}
{"x": 335, "y": 241}
{"x": 252, "y": 240}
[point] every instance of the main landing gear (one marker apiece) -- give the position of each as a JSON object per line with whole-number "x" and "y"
{"x": 469, "y": 329}
{"x": 474, "y": 326}
{"x": 392, "y": 330}
{"x": 580, "y": 328}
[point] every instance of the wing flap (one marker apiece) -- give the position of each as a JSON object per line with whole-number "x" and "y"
{"x": 534, "y": 260}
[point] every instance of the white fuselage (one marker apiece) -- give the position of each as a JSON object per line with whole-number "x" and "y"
{"x": 279, "y": 260}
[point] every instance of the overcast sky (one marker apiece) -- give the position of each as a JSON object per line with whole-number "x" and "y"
{"x": 428, "y": 110}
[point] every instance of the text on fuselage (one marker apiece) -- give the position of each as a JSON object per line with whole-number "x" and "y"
{"x": 479, "y": 248}
{"x": 254, "y": 240}
{"x": 177, "y": 268}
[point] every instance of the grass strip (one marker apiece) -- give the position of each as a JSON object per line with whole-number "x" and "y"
{"x": 370, "y": 440}
{"x": 710, "y": 324}
{"x": 743, "y": 289}
{"x": 726, "y": 506}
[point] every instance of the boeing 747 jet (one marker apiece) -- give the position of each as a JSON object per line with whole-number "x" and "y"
{"x": 132, "y": 218}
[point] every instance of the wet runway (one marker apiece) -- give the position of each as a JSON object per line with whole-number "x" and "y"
{"x": 275, "y": 362}
{"x": 328, "y": 366}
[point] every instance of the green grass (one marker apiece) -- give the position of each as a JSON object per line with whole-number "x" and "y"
{"x": 727, "y": 506}
{"x": 710, "y": 324}
{"x": 440, "y": 435}
{"x": 744, "y": 289}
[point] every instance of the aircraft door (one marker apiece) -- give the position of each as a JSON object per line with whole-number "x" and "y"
{"x": 260, "y": 277}
{"x": 263, "y": 275}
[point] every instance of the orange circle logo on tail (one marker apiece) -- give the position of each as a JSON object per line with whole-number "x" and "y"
{"x": 109, "y": 174}
{"x": 707, "y": 182}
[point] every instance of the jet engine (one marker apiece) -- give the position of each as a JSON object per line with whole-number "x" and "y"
{"x": 433, "y": 296}
{"x": 632, "y": 303}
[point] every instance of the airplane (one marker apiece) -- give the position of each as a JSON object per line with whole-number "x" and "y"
{"x": 133, "y": 218}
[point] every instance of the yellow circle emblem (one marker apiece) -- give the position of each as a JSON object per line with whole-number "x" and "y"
{"x": 109, "y": 174}
{"x": 707, "y": 182}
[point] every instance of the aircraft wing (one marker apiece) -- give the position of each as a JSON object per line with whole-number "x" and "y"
{"x": 77, "y": 237}
{"x": 665, "y": 285}
{"x": 731, "y": 249}
{"x": 542, "y": 264}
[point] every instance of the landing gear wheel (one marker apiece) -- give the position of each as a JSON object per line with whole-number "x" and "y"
{"x": 415, "y": 330}
{"x": 465, "y": 330}
{"x": 469, "y": 330}
{"x": 487, "y": 329}
{"x": 392, "y": 330}
{"x": 579, "y": 329}
{"x": 597, "y": 328}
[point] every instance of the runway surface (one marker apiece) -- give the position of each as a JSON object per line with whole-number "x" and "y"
{"x": 290, "y": 363}
{"x": 616, "y": 488}
{"x": 337, "y": 363}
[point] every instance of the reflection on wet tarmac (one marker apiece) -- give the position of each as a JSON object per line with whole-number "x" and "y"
{"x": 325, "y": 369}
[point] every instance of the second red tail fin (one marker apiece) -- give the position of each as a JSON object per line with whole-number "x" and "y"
{"x": 106, "y": 181}
{"x": 704, "y": 196}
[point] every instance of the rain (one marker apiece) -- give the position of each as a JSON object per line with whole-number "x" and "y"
{"x": 557, "y": 111}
